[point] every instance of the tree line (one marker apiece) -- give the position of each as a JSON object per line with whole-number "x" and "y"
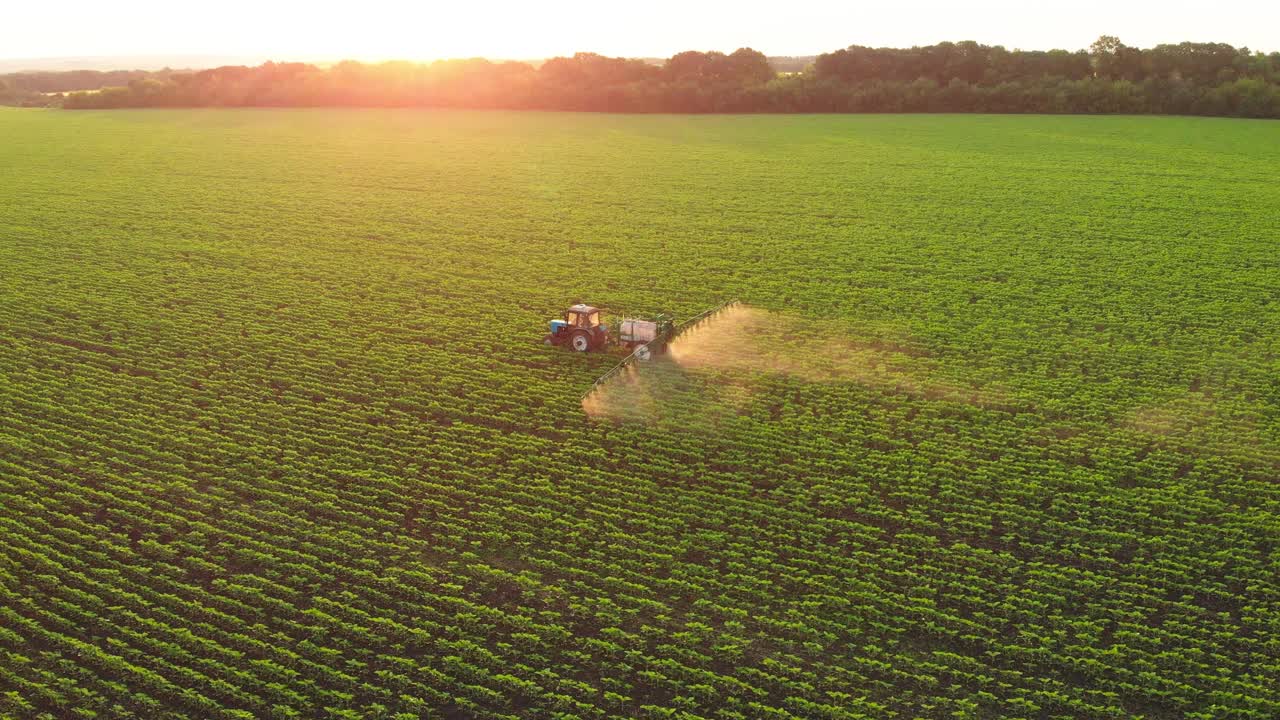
{"x": 1109, "y": 77}
{"x": 40, "y": 88}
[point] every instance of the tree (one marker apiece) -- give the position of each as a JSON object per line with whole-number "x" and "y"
{"x": 1105, "y": 45}
{"x": 751, "y": 67}
{"x": 1114, "y": 60}
{"x": 694, "y": 65}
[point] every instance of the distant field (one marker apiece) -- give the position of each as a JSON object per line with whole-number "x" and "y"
{"x": 278, "y": 437}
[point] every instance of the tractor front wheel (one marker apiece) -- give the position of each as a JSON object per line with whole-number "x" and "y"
{"x": 644, "y": 353}
{"x": 549, "y": 340}
{"x": 580, "y": 341}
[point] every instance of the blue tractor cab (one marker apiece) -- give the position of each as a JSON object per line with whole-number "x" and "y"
{"x": 580, "y": 329}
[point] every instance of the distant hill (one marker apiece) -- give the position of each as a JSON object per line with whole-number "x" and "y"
{"x": 785, "y": 64}
{"x": 791, "y": 63}
{"x": 781, "y": 63}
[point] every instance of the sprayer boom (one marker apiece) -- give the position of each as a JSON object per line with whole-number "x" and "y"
{"x": 649, "y": 338}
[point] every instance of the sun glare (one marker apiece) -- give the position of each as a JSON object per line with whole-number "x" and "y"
{"x": 397, "y": 29}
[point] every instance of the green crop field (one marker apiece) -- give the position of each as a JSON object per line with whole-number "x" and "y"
{"x": 997, "y": 435}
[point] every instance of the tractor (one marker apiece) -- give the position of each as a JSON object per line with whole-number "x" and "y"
{"x": 580, "y": 329}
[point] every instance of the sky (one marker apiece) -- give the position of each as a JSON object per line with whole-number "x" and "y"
{"x": 318, "y": 30}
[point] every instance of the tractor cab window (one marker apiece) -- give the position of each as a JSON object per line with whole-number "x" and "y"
{"x": 584, "y": 320}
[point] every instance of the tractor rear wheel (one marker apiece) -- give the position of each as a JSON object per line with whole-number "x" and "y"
{"x": 580, "y": 341}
